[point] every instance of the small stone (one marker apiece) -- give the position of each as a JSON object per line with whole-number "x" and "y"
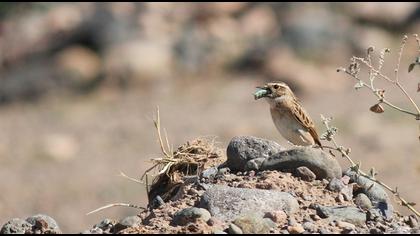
{"x": 309, "y": 226}
{"x": 233, "y": 229}
{"x": 345, "y": 225}
{"x": 345, "y": 179}
{"x": 344, "y": 213}
{"x": 223, "y": 171}
{"x": 214, "y": 221}
{"x": 190, "y": 214}
{"x": 305, "y": 174}
{"x": 254, "y": 224}
{"x": 363, "y": 201}
{"x": 324, "y": 231}
{"x": 44, "y": 224}
{"x": 93, "y": 231}
{"x": 412, "y": 221}
{"x": 335, "y": 185}
{"x": 16, "y": 226}
{"x": 276, "y": 216}
{"x": 297, "y": 229}
{"x": 315, "y": 217}
{"x": 219, "y": 232}
{"x": 347, "y": 192}
{"x": 292, "y": 221}
{"x": 340, "y": 198}
{"x": 105, "y": 224}
{"x": 209, "y": 173}
{"x": 127, "y": 222}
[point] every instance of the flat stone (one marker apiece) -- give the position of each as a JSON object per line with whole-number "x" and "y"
{"x": 254, "y": 224}
{"x": 319, "y": 162}
{"x": 227, "y": 203}
{"x": 16, "y": 226}
{"x": 242, "y": 149}
{"x": 342, "y": 213}
{"x": 190, "y": 214}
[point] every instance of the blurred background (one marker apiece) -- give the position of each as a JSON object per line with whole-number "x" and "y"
{"x": 80, "y": 82}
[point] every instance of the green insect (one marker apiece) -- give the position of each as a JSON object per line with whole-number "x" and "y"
{"x": 261, "y": 92}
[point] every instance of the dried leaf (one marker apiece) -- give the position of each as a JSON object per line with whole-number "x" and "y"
{"x": 418, "y": 87}
{"x": 411, "y": 67}
{"x": 377, "y": 108}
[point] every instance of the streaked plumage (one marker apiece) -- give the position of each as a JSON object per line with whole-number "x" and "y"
{"x": 289, "y": 117}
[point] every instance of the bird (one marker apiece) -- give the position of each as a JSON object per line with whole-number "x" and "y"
{"x": 289, "y": 116}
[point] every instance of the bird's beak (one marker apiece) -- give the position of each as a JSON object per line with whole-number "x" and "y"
{"x": 261, "y": 92}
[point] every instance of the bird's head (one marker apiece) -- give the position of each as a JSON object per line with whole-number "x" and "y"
{"x": 273, "y": 90}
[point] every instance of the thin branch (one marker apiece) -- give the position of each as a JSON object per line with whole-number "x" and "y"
{"x": 116, "y": 204}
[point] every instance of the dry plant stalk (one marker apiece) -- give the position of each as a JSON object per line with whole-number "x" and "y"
{"x": 376, "y": 72}
{"x": 188, "y": 159}
{"x": 345, "y": 152}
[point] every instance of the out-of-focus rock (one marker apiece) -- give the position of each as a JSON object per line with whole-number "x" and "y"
{"x": 281, "y": 63}
{"x": 79, "y": 64}
{"x": 387, "y": 12}
{"x": 138, "y": 60}
{"x": 60, "y": 147}
{"x": 260, "y": 22}
{"x": 321, "y": 34}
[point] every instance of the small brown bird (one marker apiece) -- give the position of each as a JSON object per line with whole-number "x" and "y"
{"x": 289, "y": 117}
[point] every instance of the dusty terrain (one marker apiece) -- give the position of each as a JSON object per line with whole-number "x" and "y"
{"x": 62, "y": 149}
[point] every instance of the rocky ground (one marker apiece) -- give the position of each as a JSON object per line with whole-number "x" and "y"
{"x": 260, "y": 188}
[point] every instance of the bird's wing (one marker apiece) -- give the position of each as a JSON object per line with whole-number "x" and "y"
{"x": 303, "y": 118}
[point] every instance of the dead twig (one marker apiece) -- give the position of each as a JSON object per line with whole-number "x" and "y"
{"x": 114, "y": 205}
{"x": 329, "y": 135}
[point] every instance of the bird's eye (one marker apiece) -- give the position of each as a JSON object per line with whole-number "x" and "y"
{"x": 275, "y": 86}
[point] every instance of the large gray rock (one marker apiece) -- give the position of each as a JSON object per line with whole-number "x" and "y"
{"x": 374, "y": 192}
{"x": 242, "y": 149}
{"x": 16, "y": 226}
{"x": 250, "y": 153}
{"x": 342, "y": 213}
{"x": 228, "y": 203}
{"x": 319, "y": 162}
